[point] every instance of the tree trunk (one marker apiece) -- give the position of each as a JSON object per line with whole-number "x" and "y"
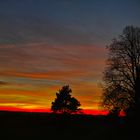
{"x": 137, "y": 94}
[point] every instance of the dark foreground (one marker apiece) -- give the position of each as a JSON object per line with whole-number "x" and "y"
{"x": 17, "y": 125}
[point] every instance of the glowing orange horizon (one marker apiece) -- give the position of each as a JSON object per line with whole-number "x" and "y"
{"x": 85, "y": 111}
{"x": 46, "y": 68}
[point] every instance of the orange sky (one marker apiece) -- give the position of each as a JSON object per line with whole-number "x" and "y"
{"x": 45, "y": 45}
{"x": 31, "y": 74}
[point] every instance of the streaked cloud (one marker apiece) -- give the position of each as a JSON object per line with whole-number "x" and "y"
{"x": 38, "y": 70}
{"x": 23, "y": 30}
{"x": 47, "y": 44}
{"x": 3, "y": 83}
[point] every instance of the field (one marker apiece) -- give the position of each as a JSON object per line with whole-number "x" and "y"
{"x": 21, "y": 125}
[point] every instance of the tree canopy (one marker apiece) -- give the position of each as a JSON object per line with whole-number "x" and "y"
{"x": 122, "y": 74}
{"x": 64, "y": 102}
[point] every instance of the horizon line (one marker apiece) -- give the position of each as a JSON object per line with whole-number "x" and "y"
{"x": 48, "y": 110}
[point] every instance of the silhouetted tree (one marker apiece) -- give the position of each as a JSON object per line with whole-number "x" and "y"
{"x": 64, "y": 103}
{"x": 122, "y": 74}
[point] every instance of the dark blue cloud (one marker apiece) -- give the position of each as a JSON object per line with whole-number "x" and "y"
{"x": 65, "y": 22}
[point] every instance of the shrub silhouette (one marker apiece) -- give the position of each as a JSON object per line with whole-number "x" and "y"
{"x": 64, "y": 103}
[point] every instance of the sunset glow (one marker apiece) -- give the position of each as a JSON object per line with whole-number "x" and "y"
{"x": 45, "y": 45}
{"x": 43, "y": 110}
{"x": 46, "y": 70}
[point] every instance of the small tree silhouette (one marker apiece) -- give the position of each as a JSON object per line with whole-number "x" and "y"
{"x": 64, "y": 103}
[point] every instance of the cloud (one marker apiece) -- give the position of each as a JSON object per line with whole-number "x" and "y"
{"x": 40, "y": 70}
{"x": 47, "y": 61}
{"x": 25, "y": 29}
{"x": 54, "y": 57}
{"x": 3, "y": 83}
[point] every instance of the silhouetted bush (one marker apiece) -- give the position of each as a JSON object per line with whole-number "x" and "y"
{"x": 64, "y": 103}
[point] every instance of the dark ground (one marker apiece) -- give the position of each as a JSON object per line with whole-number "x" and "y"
{"x": 19, "y": 125}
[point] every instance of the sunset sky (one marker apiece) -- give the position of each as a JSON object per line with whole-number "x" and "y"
{"x": 46, "y": 44}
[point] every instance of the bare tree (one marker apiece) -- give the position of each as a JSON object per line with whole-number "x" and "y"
{"x": 122, "y": 74}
